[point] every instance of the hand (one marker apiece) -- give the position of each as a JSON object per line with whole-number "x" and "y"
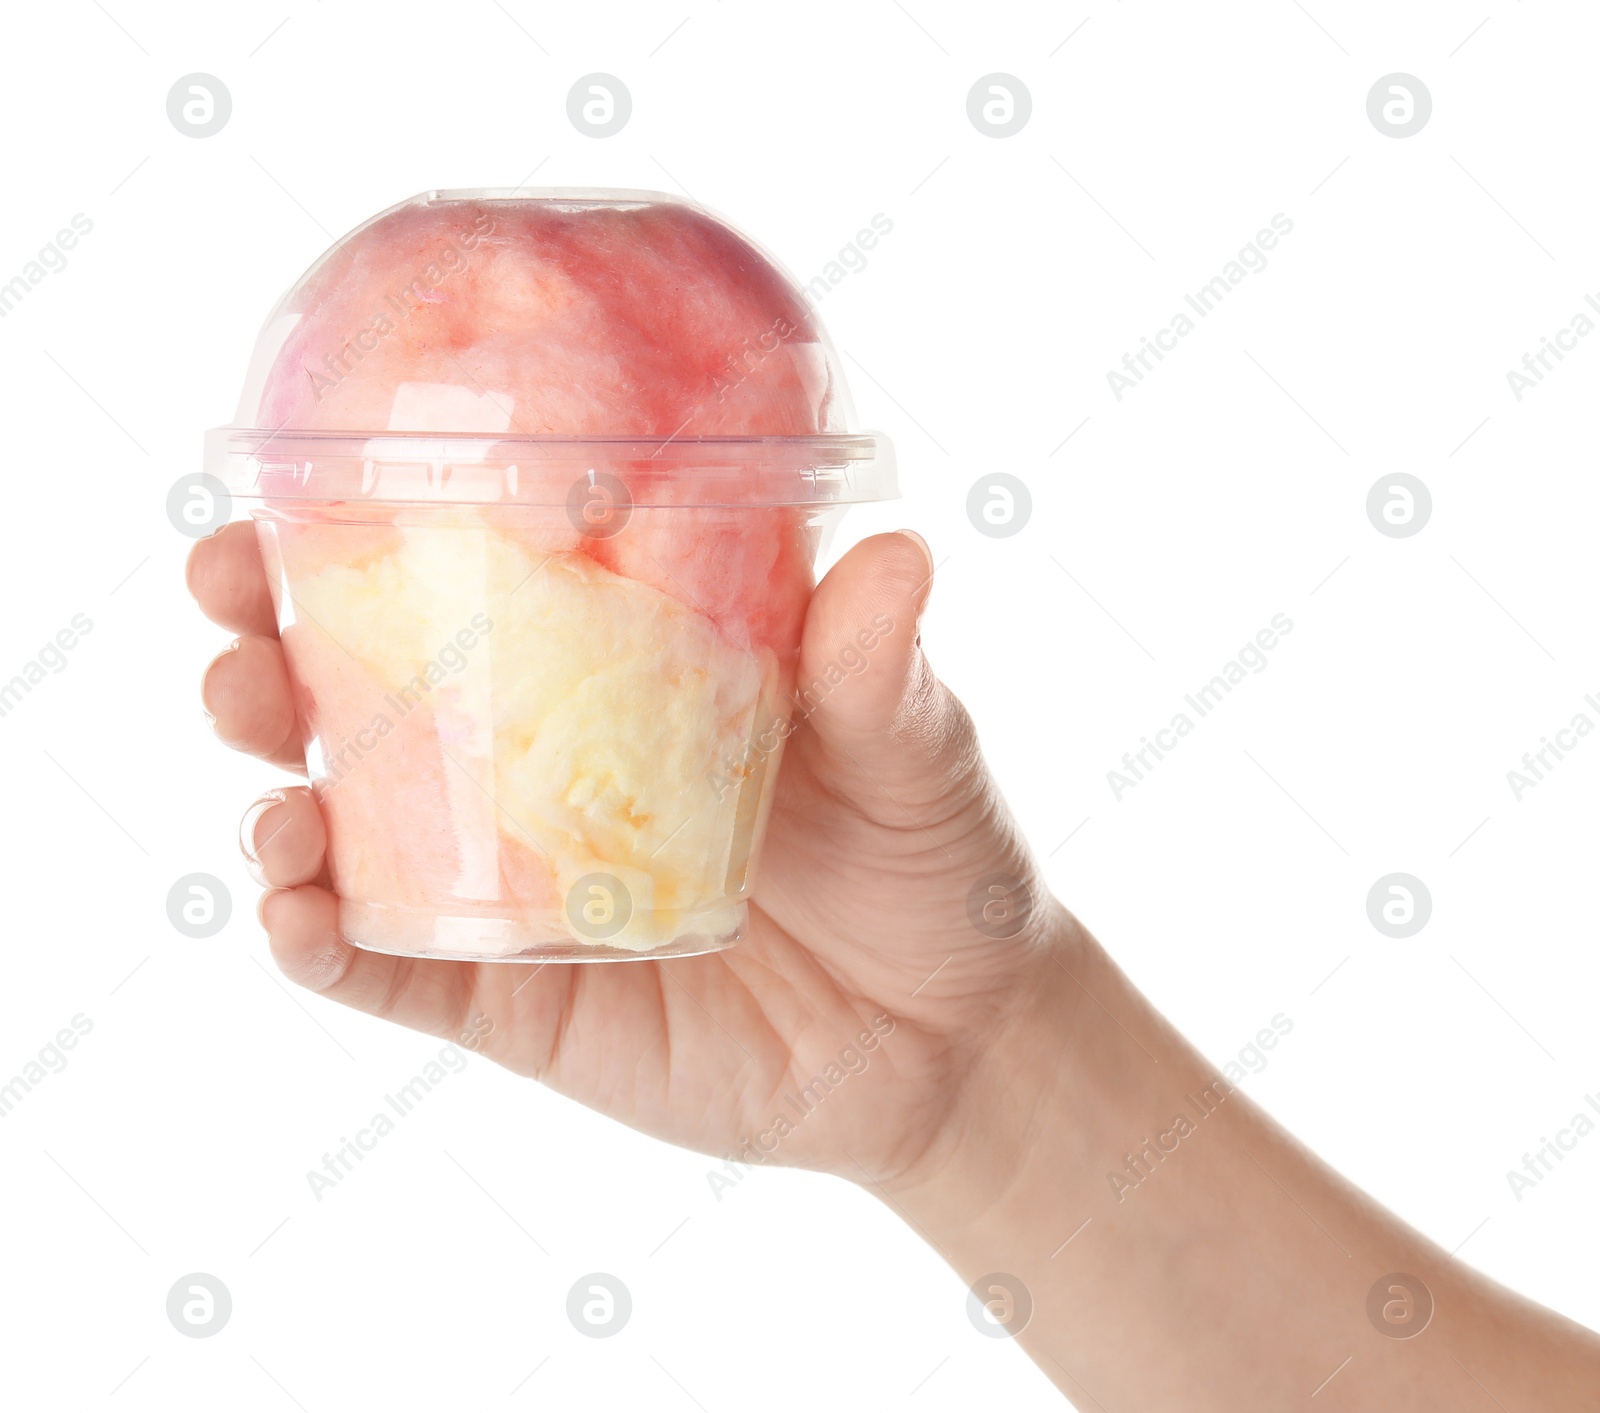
{"x": 1010, "y": 1075}
{"x": 884, "y": 819}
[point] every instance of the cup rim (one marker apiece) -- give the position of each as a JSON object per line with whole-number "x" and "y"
{"x": 394, "y": 467}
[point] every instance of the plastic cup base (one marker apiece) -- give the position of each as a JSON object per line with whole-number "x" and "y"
{"x": 456, "y": 937}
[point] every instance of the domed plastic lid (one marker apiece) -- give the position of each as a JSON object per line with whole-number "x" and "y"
{"x": 481, "y": 347}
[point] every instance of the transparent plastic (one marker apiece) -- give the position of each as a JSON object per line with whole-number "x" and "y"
{"x": 540, "y": 481}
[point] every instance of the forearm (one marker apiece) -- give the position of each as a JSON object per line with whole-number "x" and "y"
{"x": 1182, "y": 1251}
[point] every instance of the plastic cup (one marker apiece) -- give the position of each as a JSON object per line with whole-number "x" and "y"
{"x": 540, "y": 577}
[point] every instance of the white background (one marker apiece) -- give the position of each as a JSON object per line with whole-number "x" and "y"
{"x": 1223, "y": 490}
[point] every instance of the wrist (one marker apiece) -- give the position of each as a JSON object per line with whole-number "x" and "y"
{"x": 1106, "y": 1188}
{"x": 1031, "y": 1093}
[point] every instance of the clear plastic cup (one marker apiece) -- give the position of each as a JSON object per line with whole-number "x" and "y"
{"x": 540, "y": 521}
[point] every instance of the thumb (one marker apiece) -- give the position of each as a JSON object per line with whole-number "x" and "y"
{"x": 877, "y": 711}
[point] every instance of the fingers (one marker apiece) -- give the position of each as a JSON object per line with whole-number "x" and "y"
{"x": 866, "y": 689}
{"x": 865, "y": 612}
{"x": 303, "y": 931}
{"x": 246, "y": 689}
{"x": 227, "y": 580}
{"x": 247, "y": 695}
{"x": 284, "y": 839}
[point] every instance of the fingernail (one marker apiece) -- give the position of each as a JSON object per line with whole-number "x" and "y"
{"x": 921, "y": 544}
{"x": 205, "y": 682}
{"x": 248, "y": 845}
{"x": 261, "y": 909}
{"x": 925, "y": 591}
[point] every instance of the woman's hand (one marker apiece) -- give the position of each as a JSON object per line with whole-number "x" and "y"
{"x": 839, "y": 1033}
{"x": 1013, "y": 1097}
